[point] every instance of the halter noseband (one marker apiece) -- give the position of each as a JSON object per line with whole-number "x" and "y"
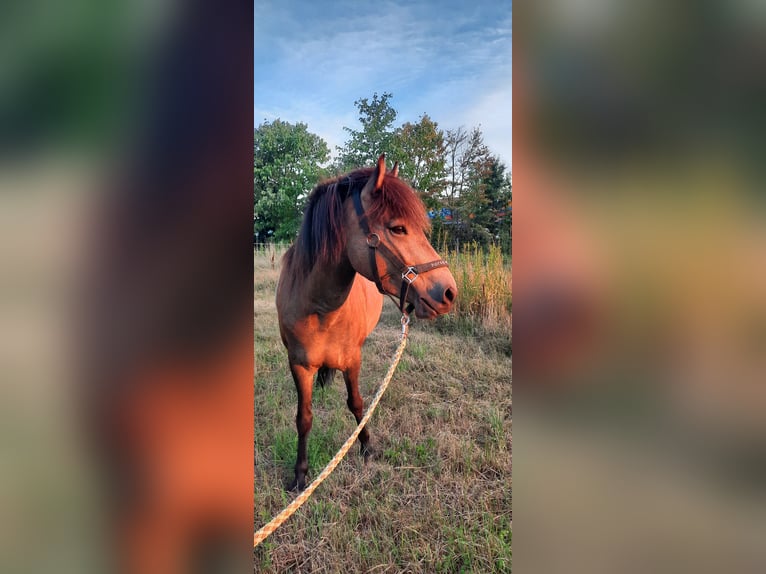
{"x": 409, "y": 272}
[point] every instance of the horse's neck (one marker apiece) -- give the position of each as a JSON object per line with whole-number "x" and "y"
{"x": 327, "y": 288}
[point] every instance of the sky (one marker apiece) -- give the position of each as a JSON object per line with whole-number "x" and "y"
{"x": 450, "y": 59}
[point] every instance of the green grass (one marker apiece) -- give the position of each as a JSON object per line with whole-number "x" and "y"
{"x": 437, "y": 495}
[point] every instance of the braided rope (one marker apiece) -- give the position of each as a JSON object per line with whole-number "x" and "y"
{"x": 277, "y": 521}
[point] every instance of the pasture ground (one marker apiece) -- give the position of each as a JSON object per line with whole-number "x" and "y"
{"x": 437, "y": 495}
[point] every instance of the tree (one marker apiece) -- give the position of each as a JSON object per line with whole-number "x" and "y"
{"x": 364, "y": 146}
{"x": 287, "y": 162}
{"x": 499, "y": 193}
{"x": 468, "y": 162}
{"x": 419, "y": 148}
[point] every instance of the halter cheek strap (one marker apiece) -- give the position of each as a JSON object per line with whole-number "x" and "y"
{"x": 409, "y": 273}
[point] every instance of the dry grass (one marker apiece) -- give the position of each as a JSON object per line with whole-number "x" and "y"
{"x": 484, "y": 307}
{"x": 436, "y": 498}
{"x": 484, "y": 283}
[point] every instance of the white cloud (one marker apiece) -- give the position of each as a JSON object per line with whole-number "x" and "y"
{"x": 494, "y": 111}
{"x": 452, "y": 64}
{"x": 326, "y": 125}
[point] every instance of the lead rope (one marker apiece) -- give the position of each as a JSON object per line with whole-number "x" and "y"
{"x": 277, "y": 521}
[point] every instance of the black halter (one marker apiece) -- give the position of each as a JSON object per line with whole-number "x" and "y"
{"x": 409, "y": 272}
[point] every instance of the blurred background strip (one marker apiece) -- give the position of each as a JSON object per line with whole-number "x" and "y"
{"x": 126, "y": 401}
{"x": 640, "y": 286}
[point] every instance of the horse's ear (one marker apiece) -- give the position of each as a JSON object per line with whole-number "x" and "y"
{"x": 380, "y": 172}
{"x": 395, "y": 169}
{"x": 375, "y": 183}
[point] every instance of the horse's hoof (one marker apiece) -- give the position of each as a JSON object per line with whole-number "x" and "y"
{"x": 297, "y": 486}
{"x": 368, "y": 454}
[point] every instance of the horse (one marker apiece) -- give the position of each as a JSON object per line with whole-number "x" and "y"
{"x": 363, "y": 235}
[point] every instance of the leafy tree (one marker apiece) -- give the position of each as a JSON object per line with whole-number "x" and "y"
{"x": 287, "y": 161}
{"x": 419, "y": 148}
{"x": 468, "y": 162}
{"x": 377, "y": 117}
{"x": 453, "y": 169}
{"x": 498, "y": 192}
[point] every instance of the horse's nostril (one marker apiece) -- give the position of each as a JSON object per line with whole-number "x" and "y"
{"x": 449, "y": 294}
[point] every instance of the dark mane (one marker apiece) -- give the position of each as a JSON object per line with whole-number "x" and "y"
{"x": 322, "y": 239}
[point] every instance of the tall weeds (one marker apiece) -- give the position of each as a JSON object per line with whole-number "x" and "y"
{"x": 276, "y": 249}
{"x": 485, "y": 296}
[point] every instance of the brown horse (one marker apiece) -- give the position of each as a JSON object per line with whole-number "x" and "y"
{"x": 362, "y": 230}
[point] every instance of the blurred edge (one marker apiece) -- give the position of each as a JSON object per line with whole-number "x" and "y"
{"x": 126, "y": 405}
{"x": 640, "y": 287}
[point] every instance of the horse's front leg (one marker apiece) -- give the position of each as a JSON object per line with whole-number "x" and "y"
{"x": 356, "y": 406}
{"x": 304, "y": 379}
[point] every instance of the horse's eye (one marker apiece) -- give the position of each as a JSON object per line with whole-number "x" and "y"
{"x": 399, "y": 230}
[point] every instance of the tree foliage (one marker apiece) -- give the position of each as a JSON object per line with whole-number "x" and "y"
{"x": 419, "y": 148}
{"x": 464, "y": 185}
{"x": 498, "y": 193}
{"x": 468, "y": 164}
{"x": 287, "y": 163}
{"x": 377, "y": 117}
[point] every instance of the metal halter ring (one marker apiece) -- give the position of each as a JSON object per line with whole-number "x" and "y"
{"x": 410, "y": 275}
{"x": 373, "y": 240}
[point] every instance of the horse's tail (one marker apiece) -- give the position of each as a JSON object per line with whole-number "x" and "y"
{"x": 325, "y": 376}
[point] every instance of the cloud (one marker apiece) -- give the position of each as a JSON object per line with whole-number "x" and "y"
{"x": 452, "y": 62}
{"x": 328, "y": 126}
{"x": 493, "y": 110}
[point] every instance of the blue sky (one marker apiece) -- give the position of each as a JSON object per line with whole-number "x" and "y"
{"x": 450, "y": 59}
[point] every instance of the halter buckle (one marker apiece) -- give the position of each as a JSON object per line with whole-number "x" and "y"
{"x": 373, "y": 240}
{"x": 410, "y": 275}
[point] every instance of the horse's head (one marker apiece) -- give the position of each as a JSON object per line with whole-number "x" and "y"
{"x": 386, "y": 242}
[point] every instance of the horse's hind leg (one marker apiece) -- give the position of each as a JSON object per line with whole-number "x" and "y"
{"x": 356, "y": 406}
{"x": 304, "y": 378}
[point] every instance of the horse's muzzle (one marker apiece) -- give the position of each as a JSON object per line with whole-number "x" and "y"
{"x": 437, "y": 299}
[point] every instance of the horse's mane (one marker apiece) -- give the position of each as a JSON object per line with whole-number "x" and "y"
{"x": 322, "y": 238}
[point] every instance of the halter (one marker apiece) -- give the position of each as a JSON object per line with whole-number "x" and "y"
{"x": 409, "y": 272}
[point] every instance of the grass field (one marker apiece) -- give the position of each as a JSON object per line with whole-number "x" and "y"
{"x": 437, "y": 496}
